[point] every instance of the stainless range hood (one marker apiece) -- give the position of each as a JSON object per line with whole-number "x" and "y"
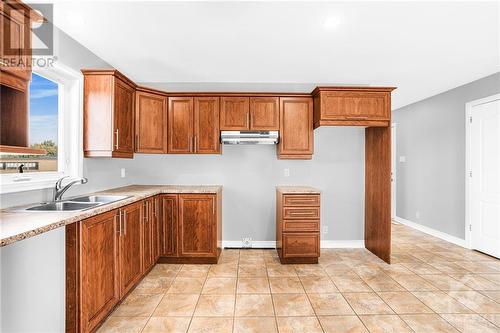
{"x": 249, "y": 137}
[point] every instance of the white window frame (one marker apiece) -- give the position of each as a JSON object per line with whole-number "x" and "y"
{"x": 70, "y": 155}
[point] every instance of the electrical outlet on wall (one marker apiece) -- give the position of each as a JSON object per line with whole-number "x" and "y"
{"x": 402, "y": 159}
{"x": 122, "y": 172}
{"x": 325, "y": 229}
{"x": 286, "y": 172}
{"x": 247, "y": 242}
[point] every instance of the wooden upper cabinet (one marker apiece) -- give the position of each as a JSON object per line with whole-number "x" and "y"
{"x": 99, "y": 268}
{"x": 130, "y": 250}
{"x": 150, "y": 123}
{"x": 370, "y": 106}
{"x": 197, "y": 225}
{"x": 235, "y": 113}
{"x": 180, "y": 125}
{"x": 206, "y": 125}
{"x": 296, "y": 128}
{"x": 108, "y": 114}
{"x": 264, "y": 113}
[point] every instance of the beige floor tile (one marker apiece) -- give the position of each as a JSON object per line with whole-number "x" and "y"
{"x": 298, "y": 325}
{"x": 367, "y": 303}
{"x": 223, "y": 270}
{"x": 346, "y": 283}
{"x": 219, "y": 286}
{"x": 211, "y": 325}
{"x": 476, "y": 301}
{"x": 385, "y": 324}
{"x": 194, "y": 271}
{"x": 286, "y": 285}
{"x": 255, "y": 325}
{"x": 479, "y": 266}
{"x": 138, "y": 305}
{"x": 250, "y": 305}
{"x": 176, "y": 305}
{"x": 292, "y": 305}
{"x": 123, "y": 325}
{"x": 318, "y": 284}
{"x": 330, "y": 304}
{"x": 215, "y": 305}
{"x": 422, "y": 268}
{"x": 183, "y": 285}
{"x": 281, "y": 271}
{"x": 154, "y": 285}
{"x": 253, "y": 286}
{"x": 403, "y": 302}
{"x": 492, "y": 277}
{"x": 470, "y": 323}
{"x": 494, "y": 318}
{"x": 310, "y": 270}
{"x": 426, "y": 323}
{"x": 167, "y": 325}
{"x": 445, "y": 282}
{"x": 252, "y": 270}
{"x": 476, "y": 282}
{"x": 165, "y": 270}
{"x": 413, "y": 282}
{"x": 336, "y": 269}
{"x": 382, "y": 282}
{"x": 440, "y": 302}
{"x": 338, "y": 324}
{"x": 494, "y": 295}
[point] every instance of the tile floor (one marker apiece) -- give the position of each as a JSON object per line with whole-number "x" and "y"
{"x": 432, "y": 286}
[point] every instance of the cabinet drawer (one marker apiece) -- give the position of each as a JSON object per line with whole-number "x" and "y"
{"x": 301, "y": 200}
{"x": 300, "y": 225}
{"x": 301, "y": 213}
{"x": 300, "y": 245}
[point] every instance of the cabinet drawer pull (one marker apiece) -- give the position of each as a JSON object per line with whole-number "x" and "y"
{"x": 124, "y": 223}
{"x": 116, "y": 138}
{"x": 302, "y": 213}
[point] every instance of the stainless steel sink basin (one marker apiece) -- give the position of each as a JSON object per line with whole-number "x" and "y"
{"x": 99, "y": 198}
{"x": 63, "y": 206}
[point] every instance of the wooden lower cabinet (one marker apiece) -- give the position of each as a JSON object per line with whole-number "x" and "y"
{"x": 297, "y": 225}
{"x": 191, "y": 228}
{"x": 99, "y": 269}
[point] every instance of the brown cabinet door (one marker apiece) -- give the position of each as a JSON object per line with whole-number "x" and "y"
{"x": 180, "y": 125}
{"x": 235, "y": 113}
{"x": 99, "y": 268}
{"x": 147, "y": 234}
{"x": 206, "y": 125}
{"x": 150, "y": 123}
{"x": 300, "y": 245}
{"x": 296, "y": 128}
{"x": 352, "y": 105}
{"x": 130, "y": 246}
{"x": 264, "y": 113}
{"x": 156, "y": 227}
{"x": 123, "y": 135}
{"x": 197, "y": 225}
{"x": 168, "y": 227}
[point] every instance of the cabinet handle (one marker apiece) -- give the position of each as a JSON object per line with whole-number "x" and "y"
{"x": 248, "y": 119}
{"x": 136, "y": 142}
{"x": 118, "y": 217}
{"x": 194, "y": 143}
{"x": 303, "y": 213}
{"x": 191, "y": 145}
{"x": 124, "y": 223}
{"x": 213, "y": 206}
{"x": 116, "y": 139}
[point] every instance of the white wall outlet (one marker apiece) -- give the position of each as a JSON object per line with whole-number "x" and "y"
{"x": 122, "y": 172}
{"x": 325, "y": 229}
{"x": 417, "y": 214}
{"x": 286, "y": 172}
{"x": 247, "y": 242}
{"x": 402, "y": 159}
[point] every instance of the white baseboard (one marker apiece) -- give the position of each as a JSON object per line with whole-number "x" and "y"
{"x": 326, "y": 244}
{"x": 433, "y": 232}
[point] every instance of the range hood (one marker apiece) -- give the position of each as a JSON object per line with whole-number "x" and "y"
{"x": 249, "y": 137}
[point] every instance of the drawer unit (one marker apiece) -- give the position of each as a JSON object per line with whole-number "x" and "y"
{"x": 297, "y": 224}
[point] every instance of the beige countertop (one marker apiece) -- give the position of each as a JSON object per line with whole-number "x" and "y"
{"x": 16, "y": 225}
{"x": 297, "y": 189}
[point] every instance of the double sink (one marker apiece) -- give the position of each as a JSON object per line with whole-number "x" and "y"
{"x": 77, "y": 203}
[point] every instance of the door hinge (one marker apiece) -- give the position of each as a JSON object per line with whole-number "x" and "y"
{"x": 470, "y": 227}
{"x": 470, "y": 119}
{"x": 470, "y": 173}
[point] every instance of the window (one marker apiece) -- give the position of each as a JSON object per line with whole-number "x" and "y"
{"x": 54, "y": 125}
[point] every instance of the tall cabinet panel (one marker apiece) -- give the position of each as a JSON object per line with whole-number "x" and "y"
{"x": 180, "y": 125}
{"x": 168, "y": 241}
{"x": 150, "y": 123}
{"x": 206, "y": 125}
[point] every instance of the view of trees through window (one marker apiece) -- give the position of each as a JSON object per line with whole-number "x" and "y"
{"x": 43, "y": 129}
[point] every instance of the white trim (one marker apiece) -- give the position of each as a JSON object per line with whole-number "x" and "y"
{"x": 70, "y": 155}
{"x": 433, "y": 232}
{"x": 325, "y": 244}
{"x": 468, "y": 180}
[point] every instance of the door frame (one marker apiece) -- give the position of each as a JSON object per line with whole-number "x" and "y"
{"x": 393, "y": 170}
{"x": 468, "y": 178}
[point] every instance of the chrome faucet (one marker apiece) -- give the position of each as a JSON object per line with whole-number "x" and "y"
{"x": 59, "y": 189}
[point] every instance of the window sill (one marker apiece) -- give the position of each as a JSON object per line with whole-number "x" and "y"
{"x": 34, "y": 182}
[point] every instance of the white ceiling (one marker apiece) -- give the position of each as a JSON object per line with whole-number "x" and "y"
{"x": 423, "y": 48}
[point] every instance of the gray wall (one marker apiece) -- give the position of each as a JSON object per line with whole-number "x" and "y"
{"x": 249, "y": 175}
{"x": 431, "y": 134}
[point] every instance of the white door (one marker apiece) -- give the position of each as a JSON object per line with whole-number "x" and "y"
{"x": 484, "y": 176}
